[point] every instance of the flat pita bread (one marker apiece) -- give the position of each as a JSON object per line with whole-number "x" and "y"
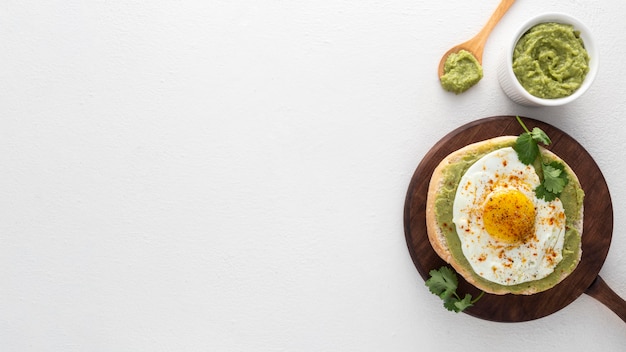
{"x": 438, "y": 232}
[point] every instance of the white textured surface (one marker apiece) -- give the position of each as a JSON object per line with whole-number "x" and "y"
{"x": 230, "y": 175}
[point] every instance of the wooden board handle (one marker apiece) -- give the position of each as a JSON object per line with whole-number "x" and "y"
{"x": 603, "y": 293}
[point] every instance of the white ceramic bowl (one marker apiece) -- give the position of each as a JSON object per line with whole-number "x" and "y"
{"x": 514, "y": 89}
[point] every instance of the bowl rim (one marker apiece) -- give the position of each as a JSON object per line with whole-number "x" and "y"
{"x": 588, "y": 41}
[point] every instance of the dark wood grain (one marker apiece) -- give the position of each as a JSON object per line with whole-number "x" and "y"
{"x": 597, "y": 223}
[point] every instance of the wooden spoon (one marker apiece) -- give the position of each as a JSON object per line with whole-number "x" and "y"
{"x": 476, "y": 45}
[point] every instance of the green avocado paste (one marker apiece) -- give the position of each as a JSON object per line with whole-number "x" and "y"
{"x": 550, "y": 60}
{"x": 460, "y": 72}
{"x": 572, "y": 199}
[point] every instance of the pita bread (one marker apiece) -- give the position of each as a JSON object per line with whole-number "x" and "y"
{"x": 440, "y": 234}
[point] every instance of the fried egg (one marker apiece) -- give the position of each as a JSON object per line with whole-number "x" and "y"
{"x": 507, "y": 234}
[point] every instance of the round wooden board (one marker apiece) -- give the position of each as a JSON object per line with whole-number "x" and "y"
{"x": 597, "y": 222}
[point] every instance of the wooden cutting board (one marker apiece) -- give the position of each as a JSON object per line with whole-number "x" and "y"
{"x": 597, "y": 221}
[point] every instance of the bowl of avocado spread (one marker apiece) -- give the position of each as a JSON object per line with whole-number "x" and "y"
{"x": 551, "y": 61}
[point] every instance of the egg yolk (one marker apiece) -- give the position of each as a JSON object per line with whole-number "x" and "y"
{"x": 509, "y": 216}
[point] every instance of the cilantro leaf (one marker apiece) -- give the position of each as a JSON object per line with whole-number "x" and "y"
{"x": 537, "y": 134}
{"x": 457, "y": 305}
{"x": 540, "y": 136}
{"x": 450, "y": 304}
{"x": 542, "y": 192}
{"x": 527, "y": 148}
{"x": 466, "y": 302}
{"x": 443, "y": 283}
{"x": 555, "y": 177}
{"x": 554, "y": 181}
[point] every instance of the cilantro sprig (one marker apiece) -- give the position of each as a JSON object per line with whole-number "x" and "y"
{"x": 443, "y": 283}
{"x": 554, "y": 177}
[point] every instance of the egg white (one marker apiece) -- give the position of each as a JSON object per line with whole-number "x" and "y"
{"x": 494, "y": 260}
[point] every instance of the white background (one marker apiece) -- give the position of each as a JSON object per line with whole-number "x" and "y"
{"x": 230, "y": 175}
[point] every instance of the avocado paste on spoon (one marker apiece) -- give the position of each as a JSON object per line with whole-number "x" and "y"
{"x": 460, "y": 72}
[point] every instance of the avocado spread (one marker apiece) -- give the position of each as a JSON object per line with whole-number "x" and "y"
{"x": 550, "y": 60}
{"x": 461, "y": 72}
{"x": 571, "y": 197}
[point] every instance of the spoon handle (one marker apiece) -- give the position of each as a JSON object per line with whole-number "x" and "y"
{"x": 481, "y": 38}
{"x": 603, "y": 293}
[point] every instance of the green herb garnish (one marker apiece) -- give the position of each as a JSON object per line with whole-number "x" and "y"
{"x": 443, "y": 283}
{"x": 554, "y": 177}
